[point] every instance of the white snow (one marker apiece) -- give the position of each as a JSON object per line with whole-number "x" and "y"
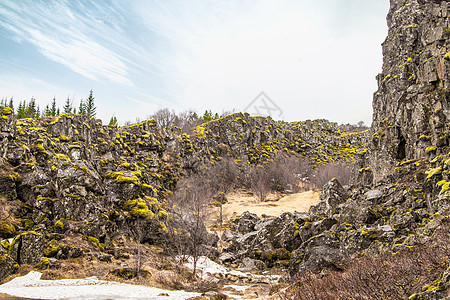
{"x": 31, "y": 286}
{"x": 206, "y": 265}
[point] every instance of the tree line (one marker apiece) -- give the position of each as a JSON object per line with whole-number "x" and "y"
{"x": 30, "y": 109}
{"x": 186, "y": 120}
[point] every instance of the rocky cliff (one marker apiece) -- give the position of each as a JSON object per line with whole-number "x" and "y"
{"x": 69, "y": 180}
{"x": 411, "y": 107}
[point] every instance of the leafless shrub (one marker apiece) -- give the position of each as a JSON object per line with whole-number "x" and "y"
{"x": 164, "y": 117}
{"x": 186, "y": 232}
{"x": 259, "y": 182}
{"x": 385, "y": 276}
{"x": 223, "y": 175}
{"x": 341, "y": 170}
{"x": 287, "y": 172}
{"x": 186, "y": 120}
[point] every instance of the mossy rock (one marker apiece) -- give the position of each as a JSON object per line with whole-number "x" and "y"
{"x": 7, "y": 230}
{"x": 130, "y": 273}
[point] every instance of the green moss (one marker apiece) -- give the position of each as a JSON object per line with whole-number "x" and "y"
{"x": 63, "y": 138}
{"x": 39, "y": 129}
{"x": 6, "y": 228}
{"x": 362, "y": 152}
{"x": 125, "y": 179}
{"x": 61, "y": 156}
{"x": 126, "y": 165}
{"x": 5, "y": 244}
{"x": 432, "y": 172}
{"x": 200, "y": 131}
{"x": 59, "y": 225}
{"x": 445, "y": 187}
{"x": 82, "y": 168}
{"x": 430, "y": 149}
{"x": 45, "y": 261}
{"x": 93, "y": 239}
{"x": 137, "y": 173}
{"x": 7, "y": 110}
{"x": 51, "y": 250}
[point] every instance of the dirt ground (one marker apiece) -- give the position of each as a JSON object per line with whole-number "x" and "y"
{"x": 241, "y": 201}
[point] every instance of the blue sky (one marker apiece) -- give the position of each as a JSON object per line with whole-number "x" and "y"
{"x": 314, "y": 59}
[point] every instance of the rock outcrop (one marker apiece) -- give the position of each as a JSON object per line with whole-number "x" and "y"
{"x": 71, "y": 176}
{"x": 411, "y": 107}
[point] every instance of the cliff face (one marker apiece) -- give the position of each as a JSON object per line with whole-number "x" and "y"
{"x": 411, "y": 107}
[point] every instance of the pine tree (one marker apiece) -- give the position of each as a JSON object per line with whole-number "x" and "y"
{"x": 52, "y": 111}
{"x": 113, "y": 121}
{"x": 46, "y": 111}
{"x": 90, "y": 109}
{"x": 81, "y": 108}
{"x": 37, "y": 114}
{"x": 30, "y": 109}
{"x": 11, "y": 103}
{"x": 67, "y": 109}
{"x": 20, "y": 110}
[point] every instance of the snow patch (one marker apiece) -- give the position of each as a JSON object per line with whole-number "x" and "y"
{"x": 31, "y": 286}
{"x": 207, "y": 266}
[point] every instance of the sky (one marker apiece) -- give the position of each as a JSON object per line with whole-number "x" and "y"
{"x": 306, "y": 59}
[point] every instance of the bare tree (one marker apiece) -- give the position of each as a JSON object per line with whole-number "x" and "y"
{"x": 342, "y": 171}
{"x": 164, "y": 118}
{"x": 259, "y": 182}
{"x": 287, "y": 171}
{"x": 186, "y": 229}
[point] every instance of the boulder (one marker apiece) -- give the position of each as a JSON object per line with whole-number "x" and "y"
{"x": 249, "y": 265}
{"x": 227, "y": 236}
{"x": 8, "y": 265}
{"x": 332, "y": 195}
{"x": 247, "y": 222}
{"x": 27, "y": 248}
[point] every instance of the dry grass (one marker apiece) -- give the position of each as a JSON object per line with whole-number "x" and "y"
{"x": 165, "y": 273}
{"x": 276, "y": 204}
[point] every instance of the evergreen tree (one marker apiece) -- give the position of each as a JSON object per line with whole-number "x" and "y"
{"x": 37, "y": 114}
{"x": 113, "y": 121}
{"x": 81, "y": 108}
{"x": 46, "y": 111}
{"x": 90, "y": 109}
{"x": 52, "y": 111}
{"x": 20, "y": 110}
{"x": 67, "y": 109}
{"x": 11, "y": 103}
{"x": 57, "y": 111}
{"x": 207, "y": 116}
{"x": 30, "y": 109}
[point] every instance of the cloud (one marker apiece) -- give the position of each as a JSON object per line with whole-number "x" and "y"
{"x": 60, "y": 34}
{"x": 314, "y": 59}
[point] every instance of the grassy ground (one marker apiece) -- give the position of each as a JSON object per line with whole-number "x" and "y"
{"x": 241, "y": 201}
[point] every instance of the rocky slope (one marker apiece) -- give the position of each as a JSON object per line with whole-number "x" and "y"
{"x": 69, "y": 180}
{"x": 399, "y": 198}
{"x": 71, "y": 176}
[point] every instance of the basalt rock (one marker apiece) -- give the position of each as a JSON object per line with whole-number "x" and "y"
{"x": 411, "y": 107}
{"x": 70, "y": 175}
{"x": 332, "y": 195}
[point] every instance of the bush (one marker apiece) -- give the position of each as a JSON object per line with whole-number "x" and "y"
{"x": 384, "y": 276}
{"x": 342, "y": 171}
